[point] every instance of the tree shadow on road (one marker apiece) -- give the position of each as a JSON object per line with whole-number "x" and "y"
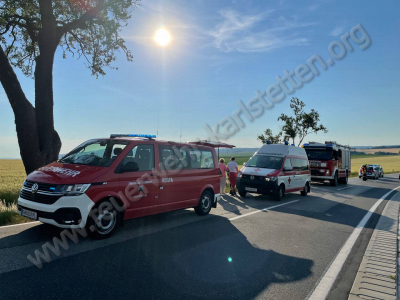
{"x": 206, "y": 260}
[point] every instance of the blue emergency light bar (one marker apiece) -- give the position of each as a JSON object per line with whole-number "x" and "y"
{"x": 269, "y": 142}
{"x": 306, "y": 144}
{"x": 286, "y": 143}
{"x": 149, "y": 136}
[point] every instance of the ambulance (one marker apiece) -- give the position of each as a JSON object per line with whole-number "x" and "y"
{"x": 105, "y": 181}
{"x": 275, "y": 169}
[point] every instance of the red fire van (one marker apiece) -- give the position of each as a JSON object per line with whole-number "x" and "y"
{"x": 105, "y": 181}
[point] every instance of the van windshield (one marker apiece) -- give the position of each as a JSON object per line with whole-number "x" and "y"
{"x": 267, "y": 162}
{"x": 99, "y": 153}
{"x": 319, "y": 154}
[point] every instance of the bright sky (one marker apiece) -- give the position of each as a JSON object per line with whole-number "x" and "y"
{"x": 220, "y": 52}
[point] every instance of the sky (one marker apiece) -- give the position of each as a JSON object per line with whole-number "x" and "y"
{"x": 222, "y": 52}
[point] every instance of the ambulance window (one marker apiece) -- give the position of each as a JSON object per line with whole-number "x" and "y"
{"x": 304, "y": 165}
{"x": 288, "y": 164}
{"x": 296, "y": 162}
{"x": 143, "y": 155}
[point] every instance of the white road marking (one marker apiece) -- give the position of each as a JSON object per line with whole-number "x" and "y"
{"x": 347, "y": 187}
{"x": 261, "y": 210}
{"x": 326, "y": 283}
{"x": 27, "y": 223}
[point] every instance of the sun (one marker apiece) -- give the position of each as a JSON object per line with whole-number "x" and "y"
{"x": 162, "y": 37}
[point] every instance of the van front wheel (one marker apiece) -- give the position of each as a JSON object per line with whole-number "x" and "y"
{"x": 280, "y": 194}
{"x": 204, "y": 206}
{"x": 103, "y": 220}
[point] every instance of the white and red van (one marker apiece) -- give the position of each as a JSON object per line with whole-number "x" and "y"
{"x": 105, "y": 181}
{"x": 275, "y": 169}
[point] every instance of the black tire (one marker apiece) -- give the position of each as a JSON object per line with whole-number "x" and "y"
{"x": 306, "y": 190}
{"x": 359, "y": 176}
{"x": 365, "y": 178}
{"x": 334, "y": 181}
{"x": 205, "y": 202}
{"x": 280, "y": 193}
{"x": 346, "y": 179}
{"x": 242, "y": 193}
{"x": 103, "y": 220}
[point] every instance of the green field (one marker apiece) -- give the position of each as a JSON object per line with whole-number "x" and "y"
{"x": 12, "y": 175}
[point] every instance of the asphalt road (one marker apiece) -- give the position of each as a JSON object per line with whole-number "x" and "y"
{"x": 239, "y": 251}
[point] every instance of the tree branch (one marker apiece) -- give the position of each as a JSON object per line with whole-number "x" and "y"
{"x": 81, "y": 22}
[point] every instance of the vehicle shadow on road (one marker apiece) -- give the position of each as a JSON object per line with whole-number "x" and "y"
{"x": 206, "y": 260}
{"x": 232, "y": 203}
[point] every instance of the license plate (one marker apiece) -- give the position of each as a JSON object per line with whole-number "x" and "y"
{"x": 29, "y": 214}
{"x": 250, "y": 189}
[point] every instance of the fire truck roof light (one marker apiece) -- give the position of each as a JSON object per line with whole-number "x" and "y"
{"x": 329, "y": 145}
{"x": 286, "y": 143}
{"x": 269, "y": 142}
{"x": 292, "y": 144}
{"x": 306, "y": 144}
{"x": 149, "y": 136}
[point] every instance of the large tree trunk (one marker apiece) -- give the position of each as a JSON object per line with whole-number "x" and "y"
{"x": 34, "y": 154}
{"x": 39, "y": 143}
{"x": 49, "y": 141}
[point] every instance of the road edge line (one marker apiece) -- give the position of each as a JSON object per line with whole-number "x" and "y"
{"x": 325, "y": 284}
{"x": 14, "y": 225}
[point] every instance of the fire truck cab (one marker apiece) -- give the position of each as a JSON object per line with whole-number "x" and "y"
{"x": 330, "y": 161}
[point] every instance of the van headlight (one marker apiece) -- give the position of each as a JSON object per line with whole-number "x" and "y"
{"x": 271, "y": 178}
{"x": 239, "y": 174}
{"x": 73, "y": 188}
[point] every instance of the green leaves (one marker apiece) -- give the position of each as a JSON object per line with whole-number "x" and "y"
{"x": 297, "y": 126}
{"x": 87, "y": 29}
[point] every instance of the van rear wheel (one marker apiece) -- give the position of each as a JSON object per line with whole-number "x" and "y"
{"x": 204, "y": 206}
{"x": 306, "y": 190}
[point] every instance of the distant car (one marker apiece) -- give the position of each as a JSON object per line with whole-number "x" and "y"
{"x": 380, "y": 170}
{"x": 373, "y": 172}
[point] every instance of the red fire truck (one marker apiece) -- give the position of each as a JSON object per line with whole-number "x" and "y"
{"x": 330, "y": 161}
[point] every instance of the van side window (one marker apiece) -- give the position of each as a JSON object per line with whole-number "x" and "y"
{"x": 201, "y": 159}
{"x": 304, "y": 165}
{"x": 173, "y": 158}
{"x": 296, "y": 162}
{"x": 143, "y": 155}
{"x": 288, "y": 164}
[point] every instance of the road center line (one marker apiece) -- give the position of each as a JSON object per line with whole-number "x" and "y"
{"x": 326, "y": 283}
{"x": 261, "y": 210}
{"x": 347, "y": 187}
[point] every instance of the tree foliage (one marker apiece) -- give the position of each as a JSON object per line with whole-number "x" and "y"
{"x": 83, "y": 28}
{"x": 269, "y": 136}
{"x": 298, "y": 126}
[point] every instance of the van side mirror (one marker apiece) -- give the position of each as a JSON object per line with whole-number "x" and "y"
{"x": 287, "y": 169}
{"x": 244, "y": 164}
{"x": 129, "y": 167}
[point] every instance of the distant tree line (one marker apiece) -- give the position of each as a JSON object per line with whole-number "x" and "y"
{"x": 376, "y": 153}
